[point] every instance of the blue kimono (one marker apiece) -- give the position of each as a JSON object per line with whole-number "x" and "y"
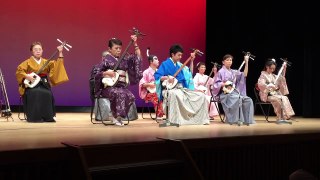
{"x": 184, "y": 105}
{"x": 166, "y": 68}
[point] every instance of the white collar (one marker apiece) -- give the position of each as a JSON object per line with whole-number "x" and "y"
{"x": 174, "y": 63}
{"x": 37, "y": 61}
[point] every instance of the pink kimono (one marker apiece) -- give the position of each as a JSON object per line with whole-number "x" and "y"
{"x": 147, "y": 77}
{"x": 199, "y": 82}
{"x": 276, "y": 97}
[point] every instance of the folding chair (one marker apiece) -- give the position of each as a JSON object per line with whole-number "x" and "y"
{"x": 261, "y": 103}
{"x": 100, "y": 106}
{"x": 20, "y": 109}
{"x": 216, "y": 100}
{"x": 149, "y": 110}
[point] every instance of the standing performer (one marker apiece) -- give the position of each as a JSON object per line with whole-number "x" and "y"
{"x": 147, "y": 86}
{"x": 129, "y": 70}
{"x": 275, "y": 90}
{"x": 38, "y": 100}
{"x": 203, "y": 83}
{"x": 184, "y": 105}
{"x": 230, "y": 84}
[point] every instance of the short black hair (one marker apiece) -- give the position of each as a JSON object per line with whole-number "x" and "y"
{"x": 114, "y": 41}
{"x": 175, "y": 49}
{"x": 269, "y": 63}
{"x": 227, "y": 56}
{"x": 150, "y": 58}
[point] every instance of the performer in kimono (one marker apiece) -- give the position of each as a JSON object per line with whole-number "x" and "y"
{"x": 203, "y": 83}
{"x": 231, "y": 86}
{"x": 38, "y": 101}
{"x": 147, "y": 86}
{"x": 129, "y": 71}
{"x": 275, "y": 92}
{"x": 183, "y": 104}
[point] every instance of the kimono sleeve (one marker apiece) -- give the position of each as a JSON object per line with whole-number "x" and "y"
{"x": 58, "y": 73}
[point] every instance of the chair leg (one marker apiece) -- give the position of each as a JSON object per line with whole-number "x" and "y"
{"x": 98, "y": 112}
{"x": 149, "y": 113}
{"x": 19, "y": 110}
{"x": 154, "y": 118}
{"x": 264, "y": 113}
{"x": 267, "y": 117}
{"x": 156, "y": 111}
{"x": 214, "y": 104}
{"x": 91, "y": 113}
{"x": 254, "y": 110}
{"x": 218, "y": 109}
{"x": 128, "y": 120}
{"x": 142, "y": 112}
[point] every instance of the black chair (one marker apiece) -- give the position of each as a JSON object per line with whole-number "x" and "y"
{"x": 216, "y": 100}
{"x": 20, "y": 109}
{"x": 100, "y": 110}
{"x": 261, "y": 103}
{"x": 97, "y": 114}
{"x": 149, "y": 110}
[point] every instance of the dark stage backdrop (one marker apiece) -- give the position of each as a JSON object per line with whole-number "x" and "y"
{"x": 87, "y": 25}
{"x": 270, "y": 29}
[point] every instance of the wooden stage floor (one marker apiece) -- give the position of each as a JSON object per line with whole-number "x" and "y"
{"x": 77, "y": 128}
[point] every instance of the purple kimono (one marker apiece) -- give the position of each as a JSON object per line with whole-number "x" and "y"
{"x": 237, "y": 106}
{"x": 230, "y": 75}
{"x": 120, "y": 97}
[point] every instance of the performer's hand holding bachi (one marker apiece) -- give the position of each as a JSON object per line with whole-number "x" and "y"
{"x": 175, "y": 80}
{"x": 115, "y": 72}
{"x": 36, "y": 76}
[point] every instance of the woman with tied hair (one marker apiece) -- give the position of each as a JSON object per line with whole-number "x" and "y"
{"x": 230, "y": 85}
{"x": 275, "y": 91}
{"x": 38, "y": 101}
{"x": 203, "y": 83}
{"x": 129, "y": 71}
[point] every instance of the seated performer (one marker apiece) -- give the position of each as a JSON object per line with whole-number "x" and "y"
{"x": 38, "y": 100}
{"x": 203, "y": 84}
{"x": 275, "y": 91}
{"x": 129, "y": 70}
{"x": 184, "y": 105}
{"x": 147, "y": 86}
{"x": 231, "y": 87}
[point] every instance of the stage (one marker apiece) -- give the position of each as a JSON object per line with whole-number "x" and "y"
{"x": 77, "y": 128}
{"x": 214, "y": 151}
